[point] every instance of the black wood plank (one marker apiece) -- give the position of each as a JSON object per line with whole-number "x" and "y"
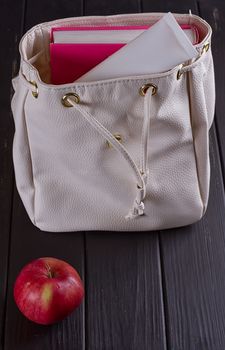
{"x": 10, "y": 28}
{"x": 214, "y": 13}
{"x": 170, "y": 5}
{"x": 98, "y": 7}
{"x": 28, "y": 242}
{"x": 124, "y": 294}
{"x": 43, "y": 11}
{"x": 194, "y": 273}
{"x": 193, "y": 260}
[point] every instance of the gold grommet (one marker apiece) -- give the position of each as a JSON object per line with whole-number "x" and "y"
{"x": 34, "y": 93}
{"x": 117, "y": 136}
{"x": 143, "y": 89}
{"x": 179, "y": 73}
{"x": 205, "y": 48}
{"x": 72, "y": 95}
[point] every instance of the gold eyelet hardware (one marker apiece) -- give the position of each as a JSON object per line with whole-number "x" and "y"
{"x": 179, "y": 72}
{"x": 72, "y": 95}
{"x": 34, "y": 92}
{"x": 117, "y": 136}
{"x": 205, "y": 48}
{"x": 143, "y": 89}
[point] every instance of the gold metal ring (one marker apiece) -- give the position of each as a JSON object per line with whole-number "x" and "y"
{"x": 205, "y": 48}
{"x": 143, "y": 89}
{"x": 72, "y": 95}
{"x": 34, "y": 92}
{"x": 117, "y": 136}
{"x": 179, "y": 73}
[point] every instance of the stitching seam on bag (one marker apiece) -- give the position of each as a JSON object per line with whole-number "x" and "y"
{"x": 169, "y": 73}
{"x": 122, "y": 80}
{"x": 112, "y": 19}
{"x": 43, "y": 45}
{"x": 193, "y": 143}
{"x": 32, "y": 170}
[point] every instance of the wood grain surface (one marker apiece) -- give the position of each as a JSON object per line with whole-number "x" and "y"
{"x": 151, "y": 290}
{"x": 10, "y": 23}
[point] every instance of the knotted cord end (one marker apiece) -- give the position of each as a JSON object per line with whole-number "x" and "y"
{"x": 138, "y": 206}
{"x": 137, "y": 210}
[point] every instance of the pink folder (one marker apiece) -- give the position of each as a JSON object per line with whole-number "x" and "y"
{"x": 70, "y": 61}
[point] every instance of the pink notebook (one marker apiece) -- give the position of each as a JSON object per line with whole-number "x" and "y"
{"x": 71, "y": 60}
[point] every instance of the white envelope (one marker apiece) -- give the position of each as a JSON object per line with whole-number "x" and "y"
{"x": 158, "y": 49}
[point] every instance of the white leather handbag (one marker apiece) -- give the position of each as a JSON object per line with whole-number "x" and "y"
{"x": 123, "y": 154}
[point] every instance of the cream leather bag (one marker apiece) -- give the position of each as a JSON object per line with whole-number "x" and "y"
{"x": 132, "y": 155}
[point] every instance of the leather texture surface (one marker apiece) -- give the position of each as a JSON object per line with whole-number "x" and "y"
{"x": 67, "y": 176}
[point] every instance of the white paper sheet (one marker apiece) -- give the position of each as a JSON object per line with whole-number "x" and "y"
{"x": 158, "y": 49}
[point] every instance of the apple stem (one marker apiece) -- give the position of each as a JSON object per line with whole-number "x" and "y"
{"x": 50, "y": 274}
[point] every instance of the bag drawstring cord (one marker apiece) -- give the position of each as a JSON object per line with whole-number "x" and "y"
{"x": 142, "y": 174}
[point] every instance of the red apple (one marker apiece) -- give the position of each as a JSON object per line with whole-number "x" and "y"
{"x": 47, "y": 290}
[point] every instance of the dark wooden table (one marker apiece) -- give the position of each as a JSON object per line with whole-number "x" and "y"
{"x": 161, "y": 290}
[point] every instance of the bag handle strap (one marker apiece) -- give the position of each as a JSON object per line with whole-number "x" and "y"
{"x": 142, "y": 174}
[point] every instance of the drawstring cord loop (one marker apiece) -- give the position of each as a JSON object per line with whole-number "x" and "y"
{"x": 142, "y": 174}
